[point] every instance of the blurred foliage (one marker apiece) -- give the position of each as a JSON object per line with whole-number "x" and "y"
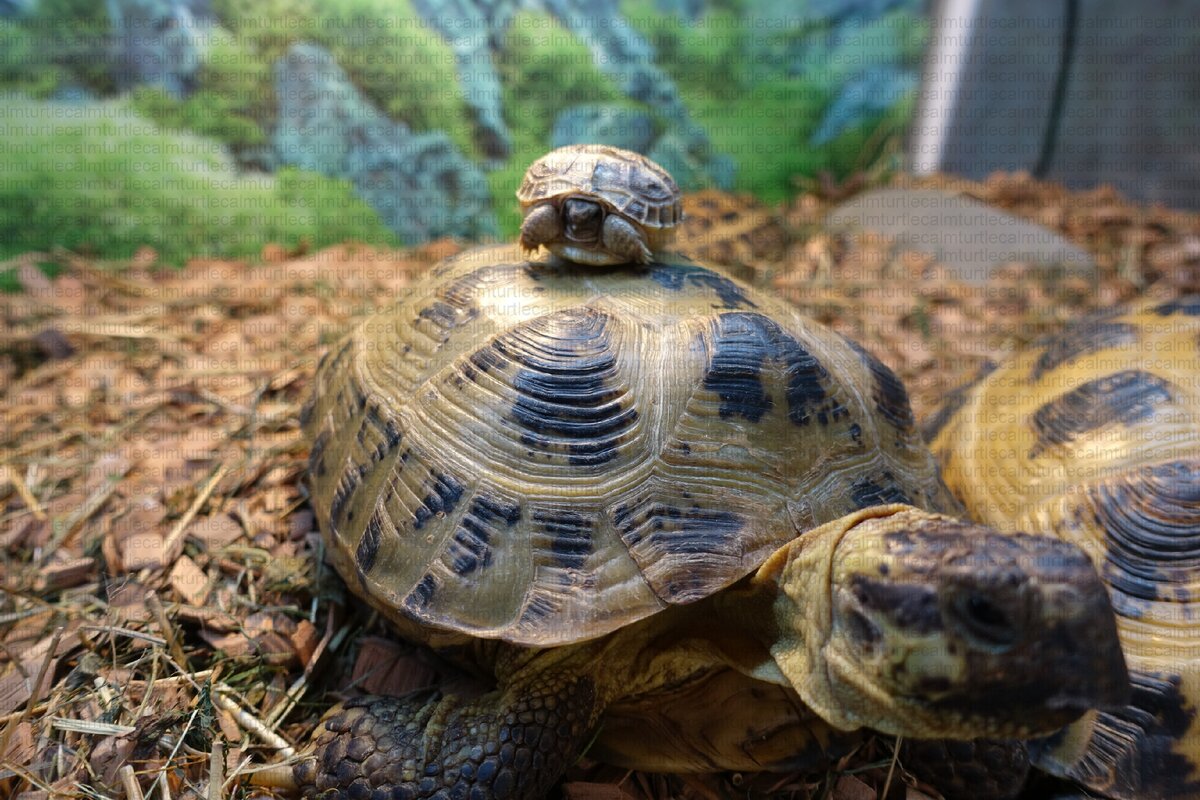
{"x": 543, "y": 69}
{"x": 207, "y": 112}
{"x": 99, "y": 179}
{"x": 755, "y": 110}
{"x": 402, "y": 66}
{"x": 728, "y": 71}
{"x": 70, "y": 41}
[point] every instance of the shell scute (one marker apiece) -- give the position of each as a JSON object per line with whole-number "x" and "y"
{"x": 625, "y": 181}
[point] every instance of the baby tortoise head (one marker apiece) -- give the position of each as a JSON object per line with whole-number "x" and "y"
{"x": 931, "y": 627}
{"x": 597, "y": 205}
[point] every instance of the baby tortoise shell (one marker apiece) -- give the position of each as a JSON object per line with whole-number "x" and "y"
{"x": 518, "y": 452}
{"x": 1094, "y": 435}
{"x": 595, "y": 204}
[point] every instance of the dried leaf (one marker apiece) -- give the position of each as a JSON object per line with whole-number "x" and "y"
{"x": 215, "y": 531}
{"x": 851, "y": 788}
{"x": 189, "y": 580}
{"x": 386, "y": 667}
{"x": 579, "y": 790}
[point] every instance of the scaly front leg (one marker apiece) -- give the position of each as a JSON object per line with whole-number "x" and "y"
{"x": 507, "y": 745}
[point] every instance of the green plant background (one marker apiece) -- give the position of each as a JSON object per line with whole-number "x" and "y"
{"x": 113, "y": 171}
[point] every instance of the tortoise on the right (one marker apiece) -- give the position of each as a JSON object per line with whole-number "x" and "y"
{"x": 1094, "y": 436}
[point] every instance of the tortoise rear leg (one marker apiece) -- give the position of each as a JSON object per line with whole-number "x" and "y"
{"x": 511, "y": 744}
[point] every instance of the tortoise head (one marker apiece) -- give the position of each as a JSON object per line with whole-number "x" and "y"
{"x": 582, "y": 220}
{"x": 930, "y": 627}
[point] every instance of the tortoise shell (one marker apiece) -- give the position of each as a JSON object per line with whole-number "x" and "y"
{"x": 626, "y": 182}
{"x": 542, "y": 454}
{"x": 1094, "y": 435}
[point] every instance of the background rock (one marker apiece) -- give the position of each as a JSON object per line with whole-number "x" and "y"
{"x": 604, "y": 124}
{"x": 421, "y": 185}
{"x": 159, "y": 42}
{"x": 471, "y": 28}
{"x": 17, "y": 8}
{"x": 968, "y": 237}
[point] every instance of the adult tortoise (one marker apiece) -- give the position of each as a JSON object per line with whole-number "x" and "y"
{"x": 674, "y": 519}
{"x": 596, "y": 204}
{"x": 1093, "y": 435}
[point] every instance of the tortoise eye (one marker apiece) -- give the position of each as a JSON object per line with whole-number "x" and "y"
{"x": 985, "y": 620}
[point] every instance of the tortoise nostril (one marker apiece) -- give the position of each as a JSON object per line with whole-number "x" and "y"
{"x": 985, "y": 620}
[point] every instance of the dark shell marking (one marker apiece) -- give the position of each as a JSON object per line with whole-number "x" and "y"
{"x": 1122, "y": 398}
{"x": 1083, "y": 338}
{"x": 954, "y": 402}
{"x": 565, "y": 386}
{"x": 568, "y": 535}
{"x": 676, "y": 276}
{"x": 443, "y": 493}
{"x": 680, "y": 548}
{"x": 487, "y": 518}
{"x": 868, "y": 492}
{"x": 1151, "y": 523}
{"x": 889, "y": 394}
{"x": 368, "y": 545}
{"x": 1189, "y": 306}
{"x": 743, "y": 343}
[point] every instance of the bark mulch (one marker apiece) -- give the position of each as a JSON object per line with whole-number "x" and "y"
{"x": 165, "y": 625}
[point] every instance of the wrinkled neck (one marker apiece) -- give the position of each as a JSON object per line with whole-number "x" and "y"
{"x": 800, "y": 578}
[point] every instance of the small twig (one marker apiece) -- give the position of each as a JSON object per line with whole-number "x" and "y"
{"x": 130, "y": 781}
{"x": 24, "y": 774}
{"x": 91, "y": 505}
{"x": 237, "y": 773}
{"x": 128, "y": 633}
{"x": 887, "y": 784}
{"x": 276, "y": 776}
{"x": 27, "y": 497}
{"x": 33, "y": 694}
{"x": 216, "y": 770}
{"x": 93, "y": 728}
{"x": 192, "y": 678}
{"x": 17, "y": 616}
{"x": 168, "y": 630}
{"x": 161, "y": 778}
{"x": 250, "y": 722}
{"x": 300, "y": 686}
{"x": 18, "y": 715}
{"x": 174, "y": 541}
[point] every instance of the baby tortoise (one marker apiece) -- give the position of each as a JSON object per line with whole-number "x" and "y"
{"x": 595, "y": 204}
{"x": 672, "y": 517}
{"x": 1094, "y": 436}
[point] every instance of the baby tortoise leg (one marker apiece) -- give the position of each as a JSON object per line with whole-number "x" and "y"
{"x": 507, "y": 745}
{"x": 542, "y": 224}
{"x": 622, "y": 238}
{"x": 982, "y": 769}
